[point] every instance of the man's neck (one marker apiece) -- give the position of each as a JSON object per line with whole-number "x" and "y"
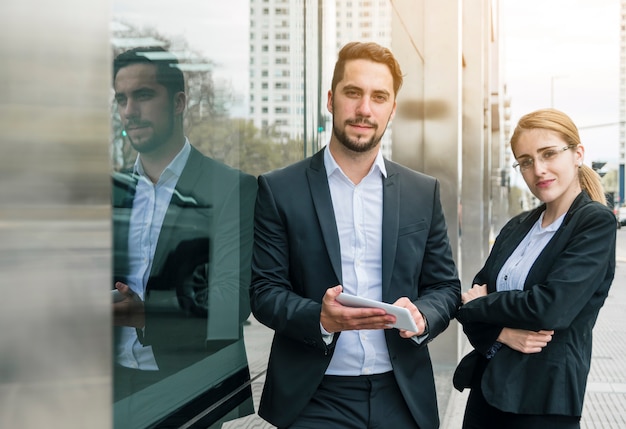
{"x": 355, "y": 165}
{"x": 154, "y": 162}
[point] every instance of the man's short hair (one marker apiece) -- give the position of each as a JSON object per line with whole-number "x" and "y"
{"x": 367, "y": 51}
{"x": 168, "y": 73}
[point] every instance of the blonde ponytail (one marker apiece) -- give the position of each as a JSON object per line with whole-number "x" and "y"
{"x": 590, "y": 182}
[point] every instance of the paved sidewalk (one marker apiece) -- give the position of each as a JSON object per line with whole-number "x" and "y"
{"x": 605, "y": 400}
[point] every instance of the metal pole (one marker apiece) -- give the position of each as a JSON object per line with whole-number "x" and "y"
{"x": 304, "y": 74}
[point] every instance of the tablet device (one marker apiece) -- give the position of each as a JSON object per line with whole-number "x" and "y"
{"x": 403, "y": 315}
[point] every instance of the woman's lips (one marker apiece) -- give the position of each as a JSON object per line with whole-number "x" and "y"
{"x": 544, "y": 183}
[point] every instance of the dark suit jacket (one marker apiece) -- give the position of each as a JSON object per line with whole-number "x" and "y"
{"x": 296, "y": 258}
{"x": 201, "y": 264}
{"x": 564, "y": 291}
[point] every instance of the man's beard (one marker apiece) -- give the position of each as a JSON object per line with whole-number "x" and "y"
{"x": 156, "y": 140}
{"x": 353, "y": 144}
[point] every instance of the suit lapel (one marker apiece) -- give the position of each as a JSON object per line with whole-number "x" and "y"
{"x": 320, "y": 193}
{"x": 391, "y": 221}
{"x": 509, "y": 243}
{"x": 123, "y": 193}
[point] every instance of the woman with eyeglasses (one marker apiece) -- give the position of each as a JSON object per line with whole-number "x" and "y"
{"x": 530, "y": 313}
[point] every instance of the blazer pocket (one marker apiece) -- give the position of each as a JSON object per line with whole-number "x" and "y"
{"x": 411, "y": 228}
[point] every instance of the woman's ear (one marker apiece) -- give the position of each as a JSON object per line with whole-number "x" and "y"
{"x": 580, "y": 155}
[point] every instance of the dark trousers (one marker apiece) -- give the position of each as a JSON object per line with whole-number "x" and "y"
{"x": 480, "y": 415}
{"x": 367, "y": 401}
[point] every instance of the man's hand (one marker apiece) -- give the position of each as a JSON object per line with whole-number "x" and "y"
{"x": 525, "y": 341}
{"x": 129, "y": 310}
{"x": 476, "y": 291}
{"x": 420, "y": 322}
{"x": 336, "y": 317}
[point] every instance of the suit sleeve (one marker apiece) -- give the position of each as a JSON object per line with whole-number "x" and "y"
{"x": 272, "y": 298}
{"x": 439, "y": 285}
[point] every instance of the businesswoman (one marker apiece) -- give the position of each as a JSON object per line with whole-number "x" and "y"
{"x": 530, "y": 313}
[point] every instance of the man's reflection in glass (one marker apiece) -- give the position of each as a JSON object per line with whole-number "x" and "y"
{"x": 182, "y": 233}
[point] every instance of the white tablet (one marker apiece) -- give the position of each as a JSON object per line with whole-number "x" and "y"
{"x": 404, "y": 320}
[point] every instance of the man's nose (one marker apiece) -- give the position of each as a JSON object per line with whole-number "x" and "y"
{"x": 364, "y": 108}
{"x": 130, "y": 109}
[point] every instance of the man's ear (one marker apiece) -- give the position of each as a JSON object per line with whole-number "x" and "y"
{"x": 329, "y": 102}
{"x": 180, "y": 102}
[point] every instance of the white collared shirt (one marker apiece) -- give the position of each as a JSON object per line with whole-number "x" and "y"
{"x": 359, "y": 215}
{"x": 513, "y": 273}
{"x": 149, "y": 207}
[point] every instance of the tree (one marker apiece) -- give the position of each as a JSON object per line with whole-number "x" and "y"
{"x": 237, "y": 142}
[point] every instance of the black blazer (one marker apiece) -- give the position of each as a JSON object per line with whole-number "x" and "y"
{"x": 201, "y": 266}
{"x": 296, "y": 257}
{"x": 564, "y": 291}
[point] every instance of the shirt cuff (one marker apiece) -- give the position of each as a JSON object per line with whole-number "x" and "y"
{"x": 327, "y": 337}
{"x": 419, "y": 339}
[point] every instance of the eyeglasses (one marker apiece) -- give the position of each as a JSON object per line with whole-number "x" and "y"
{"x": 545, "y": 157}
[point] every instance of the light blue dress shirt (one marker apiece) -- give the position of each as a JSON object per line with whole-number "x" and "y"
{"x": 513, "y": 273}
{"x": 149, "y": 207}
{"x": 359, "y": 215}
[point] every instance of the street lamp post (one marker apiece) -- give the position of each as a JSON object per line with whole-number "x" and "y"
{"x": 552, "y": 79}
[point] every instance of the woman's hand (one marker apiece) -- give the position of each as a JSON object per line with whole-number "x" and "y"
{"x": 525, "y": 341}
{"x": 476, "y": 291}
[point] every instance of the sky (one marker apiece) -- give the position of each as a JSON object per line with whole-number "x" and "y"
{"x": 565, "y": 54}
{"x": 217, "y": 29}
{"x": 559, "y": 53}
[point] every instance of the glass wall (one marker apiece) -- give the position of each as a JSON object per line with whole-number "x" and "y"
{"x": 184, "y": 165}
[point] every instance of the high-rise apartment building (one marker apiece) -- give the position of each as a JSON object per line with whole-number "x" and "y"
{"x": 363, "y": 20}
{"x": 284, "y": 58}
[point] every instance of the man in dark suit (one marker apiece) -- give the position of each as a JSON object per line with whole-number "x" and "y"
{"x": 349, "y": 220}
{"x": 182, "y": 236}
